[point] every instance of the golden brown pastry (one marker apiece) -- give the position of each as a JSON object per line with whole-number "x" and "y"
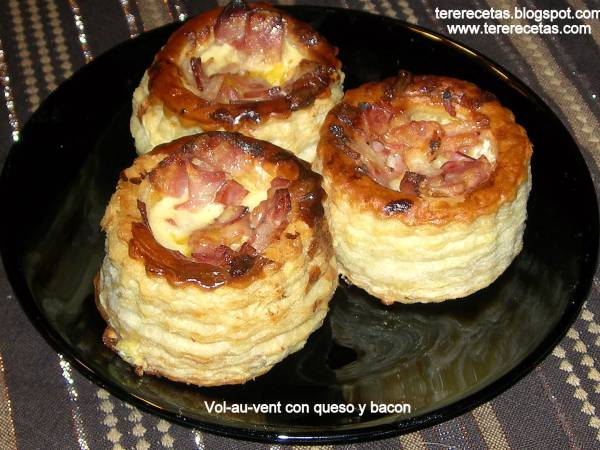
{"x": 218, "y": 259}
{"x": 427, "y": 180}
{"x": 246, "y": 67}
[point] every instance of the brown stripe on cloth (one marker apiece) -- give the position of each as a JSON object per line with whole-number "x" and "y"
{"x": 23, "y": 55}
{"x": 563, "y": 417}
{"x": 583, "y": 356}
{"x": 39, "y": 399}
{"x": 412, "y": 441}
{"x": 57, "y": 43}
{"x": 594, "y": 24}
{"x": 574, "y": 53}
{"x": 584, "y": 125}
{"x": 399, "y": 9}
{"x": 42, "y": 53}
{"x": 154, "y": 13}
{"x": 98, "y": 17}
{"x": 472, "y": 432}
{"x": 8, "y": 440}
{"x": 532, "y": 412}
{"x": 491, "y": 429}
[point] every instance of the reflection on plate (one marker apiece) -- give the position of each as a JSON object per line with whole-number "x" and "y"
{"x": 441, "y": 359}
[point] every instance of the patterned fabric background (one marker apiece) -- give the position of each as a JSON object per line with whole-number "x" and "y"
{"x": 45, "y": 404}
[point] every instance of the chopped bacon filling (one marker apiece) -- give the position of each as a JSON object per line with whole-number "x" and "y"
{"x": 255, "y": 32}
{"x": 423, "y": 157}
{"x": 237, "y": 231}
{"x": 258, "y": 34}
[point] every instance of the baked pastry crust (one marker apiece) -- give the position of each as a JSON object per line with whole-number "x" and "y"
{"x": 444, "y": 227}
{"x": 276, "y": 82}
{"x": 225, "y": 314}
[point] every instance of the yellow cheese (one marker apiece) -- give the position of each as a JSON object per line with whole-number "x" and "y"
{"x": 216, "y": 58}
{"x": 442, "y": 119}
{"x": 483, "y": 149}
{"x": 172, "y": 227}
{"x": 256, "y": 182}
{"x": 175, "y": 235}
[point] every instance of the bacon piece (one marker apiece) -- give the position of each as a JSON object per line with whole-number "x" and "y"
{"x": 170, "y": 177}
{"x": 256, "y": 32}
{"x": 231, "y": 214}
{"x": 403, "y": 80}
{"x": 256, "y": 89}
{"x": 280, "y": 183}
{"x": 270, "y": 218}
{"x": 376, "y": 119}
{"x": 213, "y": 254}
{"x": 412, "y": 140}
{"x": 411, "y": 182}
{"x": 459, "y": 177}
{"x": 459, "y": 143}
{"x": 264, "y": 35}
{"x": 224, "y": 231}
{"x": 241, "y": 88}
{"x": 197, "y": 72}
{"x": 230, "y": 26}
{"x": 202, "y": 187}
{"x": 227, "y": 158}
{"x": 231, "y": 193}
{"x": 414, "y": 134}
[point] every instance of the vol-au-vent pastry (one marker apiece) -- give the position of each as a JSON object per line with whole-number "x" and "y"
{"x": 249, "y": 68}
{"x": 427, "y": 179}
{"x": 218, "y": 260}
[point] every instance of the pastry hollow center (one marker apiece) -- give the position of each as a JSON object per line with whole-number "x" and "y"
{"x": 173, "y": 221}
{"x": 423, "y": 150}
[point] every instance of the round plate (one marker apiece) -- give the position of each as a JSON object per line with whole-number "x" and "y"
{"x": 442, "y": 360}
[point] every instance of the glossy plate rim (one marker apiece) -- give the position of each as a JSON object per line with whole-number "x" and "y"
{"x": 362, "y": 432}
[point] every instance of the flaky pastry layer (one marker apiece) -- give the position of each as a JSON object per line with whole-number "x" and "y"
{"x": 434, "y": 237}
{"x": 165, "y": 324}
{"x": 246, "y": 67}
{"x": 299, "y": 132}
{"x": 404, "y": 263}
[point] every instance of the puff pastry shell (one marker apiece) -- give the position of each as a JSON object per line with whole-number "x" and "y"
{"x": 229, "y": 314}
{"x": 249, "y": 68}
{"x": 427, "y": 180}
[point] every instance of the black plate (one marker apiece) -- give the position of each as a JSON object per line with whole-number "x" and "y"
{"x": 443, "y": 359}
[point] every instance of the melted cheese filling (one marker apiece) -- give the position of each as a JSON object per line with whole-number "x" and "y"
{"x": 483, "y": 149}
{"x": 216, "y": 57}
{"x": 172, "y": 227}
{"x": 442, "y": 119}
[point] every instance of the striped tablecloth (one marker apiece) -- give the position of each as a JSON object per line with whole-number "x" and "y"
{"x": 45, "y": 404}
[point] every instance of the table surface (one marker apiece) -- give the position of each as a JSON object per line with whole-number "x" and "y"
{"x": 46, "y": 404}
